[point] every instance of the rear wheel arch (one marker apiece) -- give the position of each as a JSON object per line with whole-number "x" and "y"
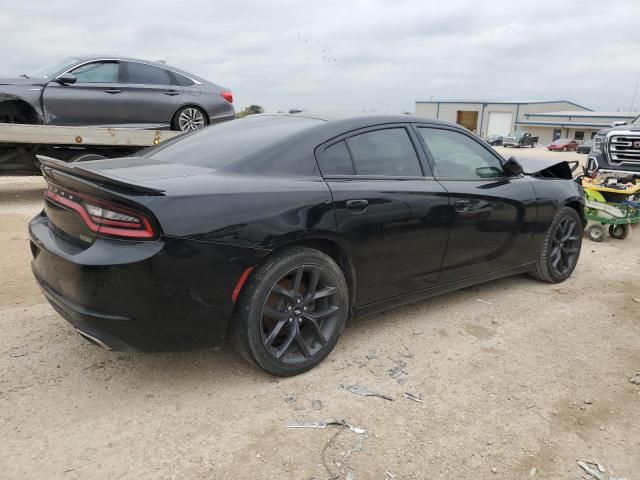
{"x": 334, "y": 250}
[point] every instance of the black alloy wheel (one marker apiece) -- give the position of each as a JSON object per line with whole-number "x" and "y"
{"x": 561, "y": 248}
{"x": 291, "y": 312}
{"x": 300, "y": 314}
{"x": 565, "y": 246}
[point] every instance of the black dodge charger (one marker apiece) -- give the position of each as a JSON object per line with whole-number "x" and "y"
{"x": 274, "y": 229}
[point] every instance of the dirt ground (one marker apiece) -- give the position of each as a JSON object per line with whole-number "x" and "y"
{"x": 518, "y": 379}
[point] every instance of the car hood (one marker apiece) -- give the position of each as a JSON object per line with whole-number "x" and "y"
{"x": 620, "y": 128}
{"x": 21, "y": 81}
{"x": 546, "y": 167}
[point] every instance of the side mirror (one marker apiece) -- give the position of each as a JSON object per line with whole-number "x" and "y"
{"x": 618, "y": 123}
{"x": 66, "y": 79}
{"x": 513, "y": 168}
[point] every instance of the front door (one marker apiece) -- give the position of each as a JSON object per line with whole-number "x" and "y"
{"x": 557, "y": 133}
{"x": 493, "y": 215}
{"x": 96, "y": 98}
{"x": 391, "y": 215}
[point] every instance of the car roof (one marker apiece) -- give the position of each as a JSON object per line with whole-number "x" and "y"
{"x": 87, "y": 58}
{"x": 351, "y": 121}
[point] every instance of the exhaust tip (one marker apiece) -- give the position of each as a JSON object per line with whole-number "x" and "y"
{"x": 93, "y": 339}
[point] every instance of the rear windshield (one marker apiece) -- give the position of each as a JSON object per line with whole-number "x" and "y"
{"x": 561, "y": 142}
{"x": 222, "y": 145}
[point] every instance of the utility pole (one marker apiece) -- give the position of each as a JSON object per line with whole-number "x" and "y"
{"x": 633, "y": 102}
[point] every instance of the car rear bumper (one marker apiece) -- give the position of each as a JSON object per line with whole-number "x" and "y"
{"x": 165, "y": 295}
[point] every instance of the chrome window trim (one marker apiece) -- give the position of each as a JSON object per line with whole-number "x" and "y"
{"x": 93, "y": 60}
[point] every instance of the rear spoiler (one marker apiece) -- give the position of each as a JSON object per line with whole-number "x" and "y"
{"x": 51, "y": 165}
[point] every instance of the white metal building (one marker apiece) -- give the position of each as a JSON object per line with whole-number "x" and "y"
{"x": 547, "y": 119}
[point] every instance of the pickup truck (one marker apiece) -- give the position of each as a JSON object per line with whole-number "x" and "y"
{"x": 519, "y": 139}
{"x": 616, "y": 149}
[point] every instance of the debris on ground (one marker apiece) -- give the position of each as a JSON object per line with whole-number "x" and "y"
{"x": 398, "y": 372}
{"x": 291, "y": 398}
{"x": 635, "y": 379}
{"x": 483, "y": 301}
{"x": 596, "y": 470}
{"x": 320, "y": 424}
{"x": 349, "y": 476}
{"x": 364, "y": 392}
{"x": 389, "y": 475}
{"x": 411, "y": 396}
{"x": 533, "y": 471}
{"x": 316, "y": 404}
{"x": 592, "y": 468}
{"x": 637, "y": 300}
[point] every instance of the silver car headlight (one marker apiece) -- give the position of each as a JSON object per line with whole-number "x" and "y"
{"x": 597, "y": 144}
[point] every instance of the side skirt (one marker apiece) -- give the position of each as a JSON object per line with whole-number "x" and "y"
{"x": 438, "y": 290}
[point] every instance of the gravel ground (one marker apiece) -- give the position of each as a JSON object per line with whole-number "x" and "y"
{"x": 517, "y": 378}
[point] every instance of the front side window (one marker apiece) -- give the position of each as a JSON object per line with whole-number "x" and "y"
{"x": 387, "y": 152}
{"x": 458, "y": 156}
{"x": 97, "y": 72}
{"x": 147, "y": 74}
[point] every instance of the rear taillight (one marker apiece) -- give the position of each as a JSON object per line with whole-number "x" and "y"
{"x": 228, "y": 96}
{"x": 103, "y": 218}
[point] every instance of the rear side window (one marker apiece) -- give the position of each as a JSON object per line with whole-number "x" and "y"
{"x": 387, "y": 152}
{"x": 335, "y": 160}
{"x": 147, "y": 74}
{"x": 97, "y": 72}
{"x": 182, "y": 80}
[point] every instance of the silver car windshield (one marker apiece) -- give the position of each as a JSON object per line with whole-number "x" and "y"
{"x": 49, "y": 71}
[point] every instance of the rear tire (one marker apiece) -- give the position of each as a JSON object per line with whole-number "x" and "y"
{"x": 619, "y": 232}
{"x": 291, "y": 312}
{"x": 189, "y": 118}
{"x": 560, "y": 250}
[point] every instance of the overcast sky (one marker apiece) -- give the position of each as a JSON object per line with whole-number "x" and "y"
{"x": 352, "y": 55}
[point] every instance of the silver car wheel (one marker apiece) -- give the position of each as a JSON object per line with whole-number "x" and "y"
{"x": 191, "y": 119}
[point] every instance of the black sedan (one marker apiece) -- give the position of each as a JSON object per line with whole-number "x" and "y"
{"x": 273, "y": 230}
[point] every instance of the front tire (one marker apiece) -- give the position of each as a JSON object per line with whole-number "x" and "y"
{"x": 291, "y": 312}
{"x": 560, "y": 251}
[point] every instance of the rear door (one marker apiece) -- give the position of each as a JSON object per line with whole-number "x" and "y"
{"x": 96, "y": 98}
{"x": 493, "y": 215}
{"x": 391, "y": 213}
{"x": 152, "y": 94}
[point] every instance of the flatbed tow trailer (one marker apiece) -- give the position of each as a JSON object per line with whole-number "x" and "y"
{"x": 20, "y": 144}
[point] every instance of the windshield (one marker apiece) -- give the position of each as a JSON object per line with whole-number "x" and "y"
{"x": 51, "y": 70}
{"x": 224, "y": 144}
{"x": 561, "y": 141}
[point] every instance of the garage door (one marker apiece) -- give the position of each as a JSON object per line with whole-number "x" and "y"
{"x": 499, "y": 123}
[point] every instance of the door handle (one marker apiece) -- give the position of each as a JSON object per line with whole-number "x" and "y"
{"x": 171, "y": 93}
{"x": 358, "y": 206}
{"x": 113, "y": 91}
